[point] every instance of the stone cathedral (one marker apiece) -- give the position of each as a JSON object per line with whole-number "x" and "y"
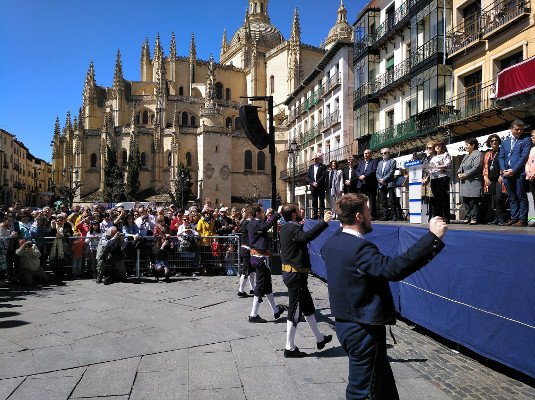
{"x": 184, "y": 109}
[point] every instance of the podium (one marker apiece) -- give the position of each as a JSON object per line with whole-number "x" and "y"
{"x": 415, "y": 192}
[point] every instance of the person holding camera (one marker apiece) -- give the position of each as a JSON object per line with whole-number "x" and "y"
{"x": 30, "y": 271}
{"x": 162, "y": 248}
{"x": 110, "y": 248}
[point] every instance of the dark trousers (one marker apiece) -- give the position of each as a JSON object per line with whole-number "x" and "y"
{"x": 370, "y": 374}
{"x": 371, "y": 192}
{"x": 318, "y": 194}
{"x": 245, "y": 262}
{"x": 471, "y": 207}
{"x": 441, "y": 199}
{"x": 498, "y": 199}
{"x": 518, "y": 198}
{"x": 263, "y": 276}
{"x": 386, "y": 195}
{"x": 298, "y": 294}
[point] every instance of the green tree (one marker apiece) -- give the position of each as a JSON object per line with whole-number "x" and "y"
{"x": 183, "y": 184}
{"x": 113, "y": 178}
{"x": 132, "y": 178}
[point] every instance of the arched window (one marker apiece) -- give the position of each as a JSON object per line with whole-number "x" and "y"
{"x": 137, "y": 119}
{"x": 188, "y": 159}
{"x": 261, "y": 161}
{"x": 145, "y": 117}
{"x": 143, "y": 159}
{"x": 181, "y": 91}
{"x": 184, "y": 118}
{"x": 93, "y": 160}
{"x": 271, "y": 84}
{"x": 227, "y": 94}
{"x": 228, "y": 122}
{"x": 248, "y": 164}
{"x": 152, "y": 118}
{"x": 219, "y": 90}
{"x": 193, "y": 121}
{"x": 237, "y": 123}
{"x": 124, "y": 157}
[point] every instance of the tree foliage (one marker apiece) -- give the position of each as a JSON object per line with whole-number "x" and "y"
{"x": 113, "y": 178}
{"x": 132, "y": 178}
{"x": 182, "y": 185}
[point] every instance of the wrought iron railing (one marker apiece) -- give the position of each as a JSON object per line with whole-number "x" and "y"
{"x": 363, "y": 91}
{"x": 331, "y": 83}
{"x": 464, "y": 34}
{"x": 472, "y": 101}
{"x": 339, "y": 154}
{"x": 363, "y": 44}
{"x": 426, "y": 50}
{"x": 392, "y": 21}
{"x": 330, "y": 120}
{"x": 312, "y": 133}
{"x": 394, "y": 134}
{"x": 391, "y": 75}
{"x": 314, "y": 98}
{"x": 501, "y": 13}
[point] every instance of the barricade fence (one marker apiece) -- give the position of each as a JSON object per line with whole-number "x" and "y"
{"x": 212, "y": 255}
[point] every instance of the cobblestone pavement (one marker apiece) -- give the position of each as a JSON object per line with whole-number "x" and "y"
{"x": 190, "y": 339}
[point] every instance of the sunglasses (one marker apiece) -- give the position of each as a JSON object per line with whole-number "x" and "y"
{"x": 389, "y": 153}
{"x": 497, "y": 141}
{"x": 430, "y": 147}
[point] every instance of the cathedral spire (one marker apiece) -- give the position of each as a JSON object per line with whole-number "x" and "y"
{"x": 158, "y": 51}
{"x": 294, "y": 58}
{"x": 90, "y": 86}
{"x": 68, "y": 124}
{"x": 80, "y": 118}
{"x": 118, "y": 81}
{"x": 246, "y": 25}
{"x": 172, "y": 50}
{"x": 57, "y": 130}
{"x": 192, "y": 51}
{"x": 145, "y": 52}
{"x": 224, "y": 43}
{"x": 296, "y": 28}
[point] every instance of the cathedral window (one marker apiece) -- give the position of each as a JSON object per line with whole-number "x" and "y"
{"x": 185, "y": 118}
{"x": 193, "y": 121}
{"x": 188, "y": 159}
{"x": 248, "y": 164}
{"x": 181, "y": 91}
{"x": 272, "y": 84}
{"x": 93, "y": 160}
{"x": 143, "y": 161}
{"x": 261, "y": 161}
{"x": 124, "y": 157}
{"x": 219, "y": 90}
{"x": 228, "y": 122}
{"x": 137, "y": 119}
{"x": 169, "y": 159}
{"x": 145, "y": 117}
{"x": 227, "y": 94}
{"x": 237, "y": 123}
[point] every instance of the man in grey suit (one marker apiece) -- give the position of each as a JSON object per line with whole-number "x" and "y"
{"x": 386, "y": 182}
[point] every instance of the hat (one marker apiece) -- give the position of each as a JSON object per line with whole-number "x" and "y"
{"x": 186, "y": 213}
{"x": 172, "y": 205}
{"x": 223, "y": 209}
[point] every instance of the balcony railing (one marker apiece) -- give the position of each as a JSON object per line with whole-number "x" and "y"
{"x": 500, "y": 13}
{"x": 363, "y": 91}
{"x": 332, "y": 83}
{"x": 394, "y": 134}
{"x": 330, "y": 120}
{"x": 464, "y": 34}
{"x": 314, "y": 98}
{"x": 300, "y": 169}
{"x": 392, "y": 75}
{"x": 363, "y": 44}
{"x": 312, "y": 133}
{"x": 392, "y": 21}
{"x": 426, "y": 50}
{"x": 340, "y": 154}
{"x": 472, "y": 101}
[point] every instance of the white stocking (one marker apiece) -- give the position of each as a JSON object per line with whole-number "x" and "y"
{"x": 252, "y": 277}
{"x": 256, "y": 305}
{"x": 242, "y": 284}
{"x": 311, "y": 320}
{"x": 271, "y": 301}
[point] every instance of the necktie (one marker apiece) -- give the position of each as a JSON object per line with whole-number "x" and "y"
{"x": 332, "y": 178}
{"x": 365, "y": 166}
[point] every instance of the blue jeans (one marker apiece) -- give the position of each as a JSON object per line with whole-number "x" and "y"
{"x": 370, "y": 375}
{"x": 518, "y": 198}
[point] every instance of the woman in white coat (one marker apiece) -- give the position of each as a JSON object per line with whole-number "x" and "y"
{"x": 335, "y": 184}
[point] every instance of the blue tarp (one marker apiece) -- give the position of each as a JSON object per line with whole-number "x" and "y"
{"x": 479, "y": 291}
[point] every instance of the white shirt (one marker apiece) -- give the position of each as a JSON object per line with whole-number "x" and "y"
{"x": 316, "y": 166}
{"x": 353, "y": 232}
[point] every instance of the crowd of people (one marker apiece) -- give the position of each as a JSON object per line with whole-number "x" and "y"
{"x": 65, "y": 240}
{"x": 491, "y": 182}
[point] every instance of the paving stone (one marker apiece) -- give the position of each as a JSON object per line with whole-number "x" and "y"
{"x": 255, "y": 352}
{"x": 158, "y": 385}
{"x": 108, "y": 379}
{"x": 175, "y": 362}
{"x": 310, "y": 370}
{"x": 328, "y": 391}
{"x": 39, "y": 388}
{"x": 16, "y": 364}
{"x": 269, "y": 383}
{"x": 7, "y": 346}
{"x": 217, "y": 394}
{"x": 212, "y": 370}
{"x": 7, "y": 386}
{"x": 54, "y": 358}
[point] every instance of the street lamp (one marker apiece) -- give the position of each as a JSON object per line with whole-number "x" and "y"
{"x": 77, "y": 184}
{"x": 293, "y": 151}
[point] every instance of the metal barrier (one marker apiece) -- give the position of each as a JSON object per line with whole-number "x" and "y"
{"x": 213, "y": 255}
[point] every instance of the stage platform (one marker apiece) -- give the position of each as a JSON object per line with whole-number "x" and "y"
{"x": 479, "y": 291}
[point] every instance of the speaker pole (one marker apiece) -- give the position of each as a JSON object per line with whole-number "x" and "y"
{"x": 272, "y": 155}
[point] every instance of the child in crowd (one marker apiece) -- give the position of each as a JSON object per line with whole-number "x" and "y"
{"x": 231, "y": 260}
{"x": 78, "y": 248}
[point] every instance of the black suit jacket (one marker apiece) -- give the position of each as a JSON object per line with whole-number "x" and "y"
{"x": 352, "y": 188}
{"x": 321, "y": 176}
{"x": 370, "y": 179}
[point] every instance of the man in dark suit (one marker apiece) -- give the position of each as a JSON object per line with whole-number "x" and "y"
{"x": 514, "y": 153}
{"x": 360, "y": 297}
{"x": 367, "y": 180}
{"x": 317, "y": 179}
{"x": 350, "y": 176}
{"x": 386, "y": 182}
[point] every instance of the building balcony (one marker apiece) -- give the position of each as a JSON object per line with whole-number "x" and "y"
{"x": 339, "y": 154}
{"x": 471, "y": 103}
{"x": 427, "y": 50}
{"x": 391, "y": 77}
{"x": 463, "y": 36}
{"x": 389, "y": 25}
{"x": 5, "y": 182}
{"x": 329, "y": 121}
{"x": 332, "y": 83}
{"x": 314, "y": 98}
{"x": 363, "y": 91}
{"x": 394, "y": 134}
{"x": 363, "y": 44}
{"x": 301, "y": 169}
{"x": 501, "y": 14}
{"x": 312, "y": 133}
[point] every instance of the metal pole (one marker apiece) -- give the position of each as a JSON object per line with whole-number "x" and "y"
{"x": 272, "y": 154}
{"x": 293, "y": 178}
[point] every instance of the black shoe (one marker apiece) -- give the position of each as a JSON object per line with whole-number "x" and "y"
{"x": 242, "y": 294}
{"x": 326, "y": 339}
{"x": 281, "y": 308}
{"x": 99, "y": 280}
{"x": 295, "y": 353}
{"x": 495, "y": 222}
{"x": 251, "y": 291}
{"x": 257, "y": 319}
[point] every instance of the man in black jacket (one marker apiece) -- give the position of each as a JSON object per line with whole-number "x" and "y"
{"x": 295, "y": 270}
{"x": 317, "y": 179}
{"x": 351, "y": 178}
{"x": 367, "y": 180}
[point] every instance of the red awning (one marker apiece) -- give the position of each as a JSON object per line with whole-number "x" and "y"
{"x": 517, "y": 79}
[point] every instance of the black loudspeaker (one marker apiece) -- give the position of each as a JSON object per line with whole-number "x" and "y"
{"x": 253, "y": 127}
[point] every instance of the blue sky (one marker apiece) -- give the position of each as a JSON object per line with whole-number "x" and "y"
{"x": 46, "y": 47}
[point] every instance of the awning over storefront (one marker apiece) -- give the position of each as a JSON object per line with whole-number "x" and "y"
{"x": 458, "y": 149}
{"x": 517, "y": 79}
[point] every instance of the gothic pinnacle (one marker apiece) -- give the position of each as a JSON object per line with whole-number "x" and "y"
{"x": 172, "y": 50}
{"x": 192, "y": 51}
